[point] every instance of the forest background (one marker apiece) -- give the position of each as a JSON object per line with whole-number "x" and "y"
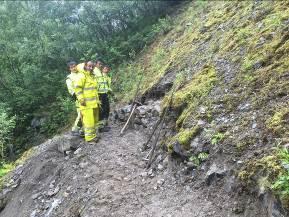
{"x": 39, "y": 37}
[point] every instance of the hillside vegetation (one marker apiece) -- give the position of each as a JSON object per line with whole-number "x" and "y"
{"x": 229, "y": 64}
{"x": 38, "y": 39}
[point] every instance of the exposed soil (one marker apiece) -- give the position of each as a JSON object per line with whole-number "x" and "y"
{"x": 110, "y": 179}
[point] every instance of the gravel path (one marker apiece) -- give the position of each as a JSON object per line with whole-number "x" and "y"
{"x": 107, "y": 179}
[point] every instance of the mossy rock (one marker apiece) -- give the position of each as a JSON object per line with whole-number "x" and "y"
{"x": 268, "y": 166}
{"x": 278, "y": 122}
{"x": 184, "y": 137}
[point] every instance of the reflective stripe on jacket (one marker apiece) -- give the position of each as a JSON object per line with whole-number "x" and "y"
{"x": 86, "y": 90}
{"x": 104, "y": 83}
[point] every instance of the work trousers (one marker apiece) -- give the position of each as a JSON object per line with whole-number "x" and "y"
{"x": 77, "y": 123}
{"x": 90, "y": 119}
{"x": 105, "y": 107}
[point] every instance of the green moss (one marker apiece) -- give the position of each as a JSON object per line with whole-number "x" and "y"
{"x": 8, "y": 167}
{"x": 278, "y": 123}
{"x": 267, "y": 167}
{"x": 184, "y": 137}
{"x": 269, "y": 172}
{"x": 189, "y": 96}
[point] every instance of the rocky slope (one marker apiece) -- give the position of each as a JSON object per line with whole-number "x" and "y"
{"x": 218, "y": 153}
{"x": 108, "y": 179}
{"x": 228, "y": 63}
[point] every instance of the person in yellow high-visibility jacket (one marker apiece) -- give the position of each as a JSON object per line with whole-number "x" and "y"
{"x": 104, "y": 90}
{"x": 87, "y": 95}
{"x": 97, "y": 68}
{"x": 80, "y": 67}
{"x": 70, "y": 83}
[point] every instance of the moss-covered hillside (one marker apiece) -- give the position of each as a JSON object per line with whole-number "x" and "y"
{"x": 230, "y": 65}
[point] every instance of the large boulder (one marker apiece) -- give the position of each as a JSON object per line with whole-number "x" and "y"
{"x": 67, "y": 142}
{"x": 215, "y": 172}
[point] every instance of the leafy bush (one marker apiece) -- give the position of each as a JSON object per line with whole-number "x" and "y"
{"x": 60, "y": 114}
{"x": 7, "y": 124}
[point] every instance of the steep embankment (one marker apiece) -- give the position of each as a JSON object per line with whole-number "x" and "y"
{"x": 228, "y": 62}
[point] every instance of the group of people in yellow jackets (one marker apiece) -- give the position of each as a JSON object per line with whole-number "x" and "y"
{"x": 90, "y": 86}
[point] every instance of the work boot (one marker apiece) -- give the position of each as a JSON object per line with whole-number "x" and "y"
{"x": 75, "y": 133}
{"x": 81, "y": 133}
{"x": 94, "y": 141}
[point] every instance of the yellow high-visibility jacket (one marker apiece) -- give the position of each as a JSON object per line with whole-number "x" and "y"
{"x": 97, "y": 72}
{"x": 70, "y": 80}
{"x": 86, "y": 90}
{"x": 80, "y": 67}
{"x": 104, "y": 84}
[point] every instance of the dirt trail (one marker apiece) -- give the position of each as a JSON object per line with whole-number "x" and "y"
{"x": 108, "y": 179}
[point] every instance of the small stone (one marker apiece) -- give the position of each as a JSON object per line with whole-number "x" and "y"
{"x": 166, "y": 161}
{"x": 83, "y": 164}
{"x": 191, "y": 165}
{"x": 160, "y": 182}
{"x": 239, "y": 162}
{"x": 144, "y": 174}
{"x": 188, "y": 188}
{"x": 202, "y": 110}
{"x": 66, "y": 158}
{"x": 65, "y": 194}
{"x": 53, "y": 192}
{"x": 160, "y": 167}
{"x": 77, "y": 151}
{"x": 127, "y": 179}
{"x": 16, "y": 184}
{"x": 19, "y": 170}
{"x": 33, "y": 214}
{"x": 35, "y": 196}
{"x": 214, "y": 173}
{"x": 201, "y": 123}
{"x": 156, "y": 188}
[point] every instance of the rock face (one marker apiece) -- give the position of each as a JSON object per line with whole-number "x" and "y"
{"x": 272, "y": 206}
{"x": 215, "y": 172}
{"x": 145, "y": 116}
{"x": 66, "y": 142}
{"x": 161, "y": 88}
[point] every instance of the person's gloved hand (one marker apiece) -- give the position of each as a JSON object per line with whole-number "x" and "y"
{"x": 82, "y": 102}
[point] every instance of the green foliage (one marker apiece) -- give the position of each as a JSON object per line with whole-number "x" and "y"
{"x": 197, "y": 160}
{"x": 184, "y": 137}
{"x": 278, "y": 122}
{"x": 197, "y": 88}
{"x": 60, "y": 112}
{"x": 217, "y": 138}
{"x": 281, "y": 185}
{"x": 7, "y": 125}
{"x": 5, "y": 168}
{"x": 34, "y": 52}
